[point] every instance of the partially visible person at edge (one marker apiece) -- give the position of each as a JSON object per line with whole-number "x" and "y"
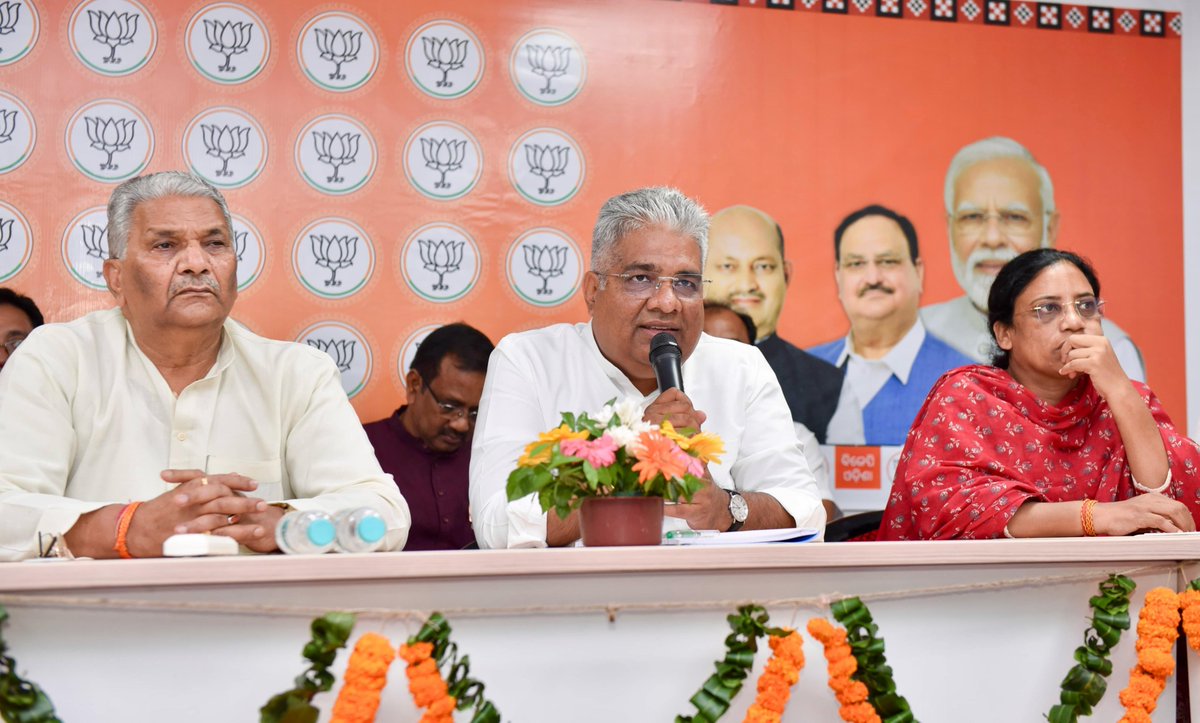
{"x": 163, "y": 415}
{"x": 723, "y": 321}
{"x": 19, "y": 316}
{"x": 747, "y": 270}
{"x": 426, "y": 444}
{"x": 1054, "y": 440}
{"x": 646, "y": 276}
{"x": 999, "y": 203}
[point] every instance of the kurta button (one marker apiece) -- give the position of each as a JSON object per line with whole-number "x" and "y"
{"x": 182, "y": 437}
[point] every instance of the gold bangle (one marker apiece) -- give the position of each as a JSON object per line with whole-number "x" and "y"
{"x": 1086, "y": 519}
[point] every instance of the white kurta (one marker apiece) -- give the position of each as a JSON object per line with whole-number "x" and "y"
{"x": 535, "y": 376}
{"x": 86, "y": 420}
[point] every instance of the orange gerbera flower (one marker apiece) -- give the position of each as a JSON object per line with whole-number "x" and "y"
{"x": 659, "y": 455}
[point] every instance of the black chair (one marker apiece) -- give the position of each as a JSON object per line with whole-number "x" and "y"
{"x": 850, "y": 528}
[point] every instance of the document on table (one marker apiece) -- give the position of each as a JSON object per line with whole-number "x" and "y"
{"x": 741, "y": 537}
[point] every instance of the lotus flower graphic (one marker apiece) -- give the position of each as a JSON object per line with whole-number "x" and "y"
{"x": 445, "y": 55}
{"x": 95, "y": 242}
{"x": 225, "y": 142}
{"x": 443, "y": 155}
{"x": 548, "y": 61}
{"x": 547, "y": 161}
{"x": 6, "y": 227}
{"x": 113, "y": 29}
{"x": 334, "y": 252}
{"x": 545, "y": 262}
{"x": 336, "y": 149}
{"x": 342, "y": 350}
{"x": 229, "y": 38}
{"x": 8, "y": 124}
{"x": 239, "y": 243}
{"x": 10, "y": 13}
{"x": 338, "y": 46}
{"x": 441, "y": 257}
{"x": 111, "y": 135}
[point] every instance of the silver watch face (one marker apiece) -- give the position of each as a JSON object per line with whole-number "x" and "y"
{"x": 738, "y": 507}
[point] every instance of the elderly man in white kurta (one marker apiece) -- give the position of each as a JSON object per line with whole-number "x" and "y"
{"x": 163, "y": 416}
{"x": 647, "y": 259}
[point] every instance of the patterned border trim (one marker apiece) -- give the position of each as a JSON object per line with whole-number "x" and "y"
{"x": 1007, "y": 13}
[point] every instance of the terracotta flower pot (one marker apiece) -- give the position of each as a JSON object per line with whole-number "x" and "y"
{"x": 609, "y": 521}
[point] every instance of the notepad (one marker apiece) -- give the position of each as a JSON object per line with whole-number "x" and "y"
{"x": 741, "y": 537}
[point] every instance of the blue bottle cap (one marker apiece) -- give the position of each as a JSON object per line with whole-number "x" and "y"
{"x": 321, "y": 532}
{"x": 371, "y": 529}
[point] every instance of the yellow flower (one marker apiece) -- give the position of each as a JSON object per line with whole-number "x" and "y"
{"x": 706, "y": 447}
{"x": 547, "y": 440}
{"x": 668, "y": 430}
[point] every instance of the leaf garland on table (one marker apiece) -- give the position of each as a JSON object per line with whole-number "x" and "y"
{"x": 873, "y": 670}
{"x": 364, "y": 681}
{"x": 459, "y": 685}
{"x": 329, "y": 634}
{"x": 776, "y": 681}
{"x": 851, "y": 694}
{"x": 1158, "y": 629}
{"x": 1085, "y": 683}
{"x": 21, "y": 701}
{"x": 715, "y": 696}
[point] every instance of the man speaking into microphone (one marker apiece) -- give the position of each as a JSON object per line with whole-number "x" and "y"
{"x": 648, "y": 250}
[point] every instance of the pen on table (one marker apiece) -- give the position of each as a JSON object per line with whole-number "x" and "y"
{"x": 673, "y": 535}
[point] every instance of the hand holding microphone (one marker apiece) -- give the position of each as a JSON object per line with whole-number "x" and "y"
{"x": 667, "y": 361}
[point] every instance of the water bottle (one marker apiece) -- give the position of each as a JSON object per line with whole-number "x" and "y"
{"x": 307, "y": 532}
{"x": 359, "y": 530}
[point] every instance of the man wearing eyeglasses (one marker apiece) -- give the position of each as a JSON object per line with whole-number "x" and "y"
{"x": 646, "y": 278}
{"x": 999, "y": 203}
{"x": 425, "y": 444}
{"x": 18, "y": 317}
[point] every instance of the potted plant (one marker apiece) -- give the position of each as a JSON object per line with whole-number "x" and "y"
{"x": 616, "y": 469}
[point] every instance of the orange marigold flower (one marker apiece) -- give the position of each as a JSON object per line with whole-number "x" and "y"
{"x": 1158, "y": 629}
{"x": 416, "y": 652}
{"x": 659, "y": 455}
{"x": 366, "y": 675}
{"x": 854, "y": 692}
{"x": 1189, "y": 601}
{"x": 859, "y": 713}
{"x": 757, "y": 714}
{"x": 443, "y": 706}
{"x": 780, "y": 674}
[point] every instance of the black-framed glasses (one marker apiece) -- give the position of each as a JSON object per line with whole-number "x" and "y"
{"x": 450, "y": 409}
{"x": 643, "y": 285}
{"x": 11, "y": 345}
{"x": 1088, "y": 307}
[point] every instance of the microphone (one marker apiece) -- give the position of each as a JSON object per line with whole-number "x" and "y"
{"x": 666, "y": 358}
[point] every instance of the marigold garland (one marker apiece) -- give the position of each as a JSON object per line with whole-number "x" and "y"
{"x": 715, "y": 696}
{"x": 776, "y": 681}
{"x": 1158, "y": 629}
{"x": 365, "y": 678}
{"x": 426, "y": 684}
{"x": 329, "y": 634}
{"x": 852, "y": 694}
{"x": 873, "y": 670}
{"x": 1189, "y": 603}
{"x": 1085, "y": 683}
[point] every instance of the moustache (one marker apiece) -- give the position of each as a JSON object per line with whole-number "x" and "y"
{"x": 982, "y": 255}
{"x": 203, "y": 283}
{"x": 875, "y": 287}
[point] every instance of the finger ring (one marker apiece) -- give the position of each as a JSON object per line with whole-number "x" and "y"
{"x": 203, "y": 480}
{"x": 230, "y": 519}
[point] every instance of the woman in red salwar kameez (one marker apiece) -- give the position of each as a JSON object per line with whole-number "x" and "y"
{"x": 1053, "y": 439}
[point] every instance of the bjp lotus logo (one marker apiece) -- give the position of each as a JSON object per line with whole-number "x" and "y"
{"x": 10, "y": 13}
{"x": 95, "y": 242}
{"x": 113, "y": 29}
{"x": 112, "y": 37}
{"x": 548, "y": 66}
{"x": 443, "y": 156}
{"x": 441, "y": 257}
{"x": 6, "y": 227}
{"x": 336, "y": 150}
{"x": 540, "y": 156}
{"x": 543, "y": 267}
{"x": 334, "y": 253}
{"x": 248, "y": 246}
{"x": 19, "y": 30}
{"x": 239, "y": 244}
{"x": 548, "y": 61}
{"x": 15, "y": 246}
{"x": 445, "y": 55}
{"x": 547, "y": 162}
{"x": 342, "y": 351}
{"x": 229, "y": 38}
{"x": 8, "y": 124}
{"x": 338, "y": 51}
{"x": 225, "y": 143}
{"x": 545, "y": 262}
{"x": 444, "y": 59}
{"x": 110, "y": 135}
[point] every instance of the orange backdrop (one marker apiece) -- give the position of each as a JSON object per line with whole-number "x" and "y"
{"x": 803, "y": 114}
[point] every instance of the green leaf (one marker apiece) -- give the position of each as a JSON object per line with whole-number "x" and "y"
{"x": 329, "y": 634}
{"x": 1085, "y": 683}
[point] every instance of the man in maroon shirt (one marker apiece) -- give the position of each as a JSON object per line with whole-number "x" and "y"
{"x": 426, "y": 444}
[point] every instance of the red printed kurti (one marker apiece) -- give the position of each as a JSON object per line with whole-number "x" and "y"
{"x": 983, "y": 445}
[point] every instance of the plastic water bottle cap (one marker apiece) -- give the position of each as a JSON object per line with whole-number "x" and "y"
{"x": 371, "y": 529}
{"x": 321, "y": 532}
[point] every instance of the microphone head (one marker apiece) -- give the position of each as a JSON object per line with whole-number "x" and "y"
{"x": 664, "y": 343}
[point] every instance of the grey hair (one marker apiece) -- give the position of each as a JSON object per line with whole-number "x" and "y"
{"x": 643, "y": 208}
{"x": 990, "y": 149}
{"x": 136, "y": 191}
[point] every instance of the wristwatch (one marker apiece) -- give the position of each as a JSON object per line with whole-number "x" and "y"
{"x": 738, "y": 509}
